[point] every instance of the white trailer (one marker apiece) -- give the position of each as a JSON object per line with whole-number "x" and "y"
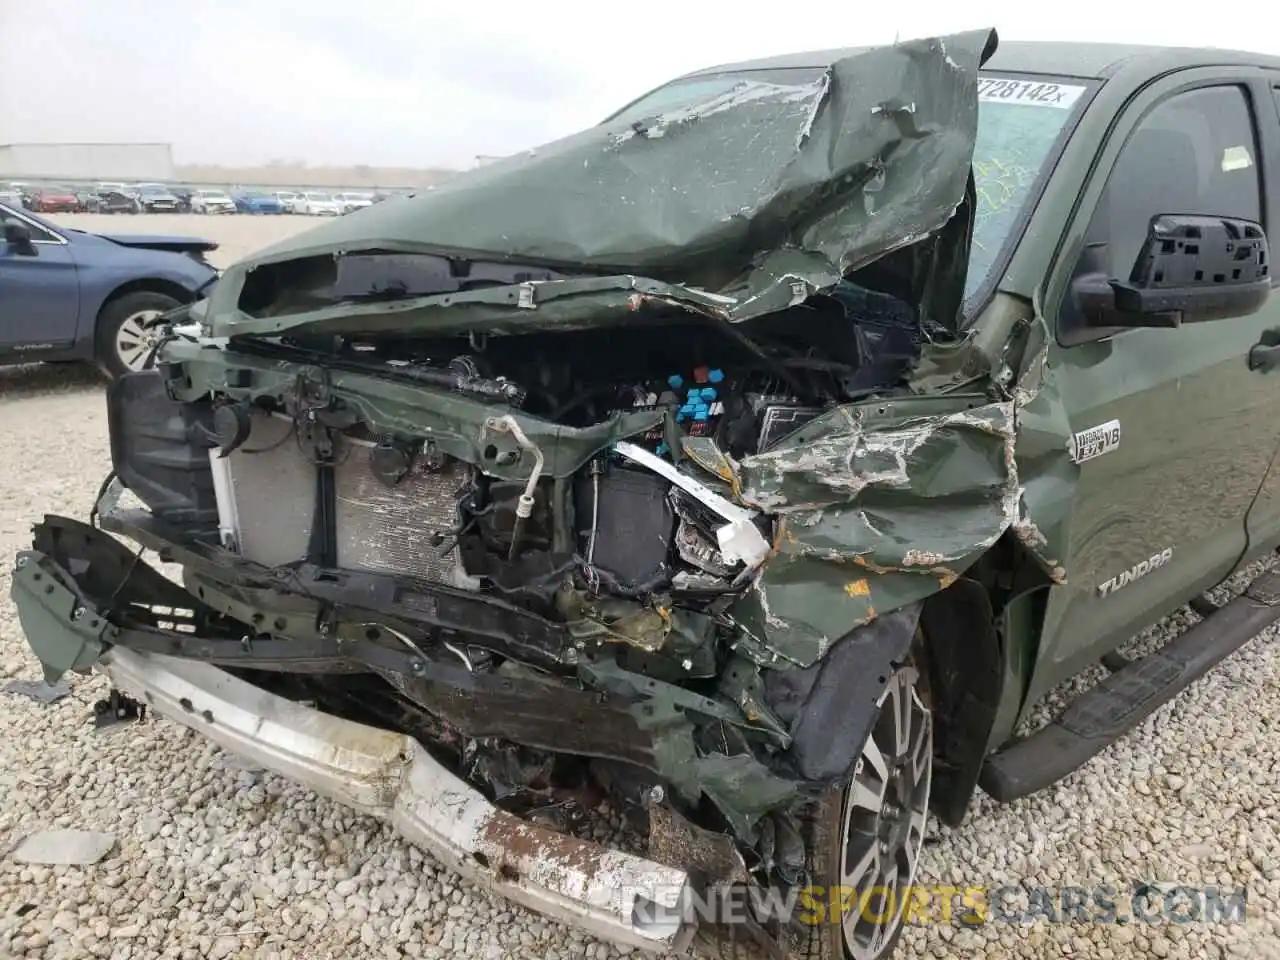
{"x": 87, "y": 161}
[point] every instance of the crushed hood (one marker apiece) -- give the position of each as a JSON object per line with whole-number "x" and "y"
{"x": 748, "y": 201}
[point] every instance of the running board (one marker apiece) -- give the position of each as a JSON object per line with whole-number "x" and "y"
{"x": 1098, "y": 718}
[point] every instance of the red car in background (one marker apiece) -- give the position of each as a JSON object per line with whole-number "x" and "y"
{"x": 54, "y": 200}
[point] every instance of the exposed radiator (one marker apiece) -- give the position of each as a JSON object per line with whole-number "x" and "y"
{"x": 266, "y": 503}
{"x": 397, "y": 529}
{"x": 271, "y": 488}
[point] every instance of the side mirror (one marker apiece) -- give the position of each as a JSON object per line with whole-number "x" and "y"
{"x": 1191, "y": 268}
{"x": 17, "y": 236}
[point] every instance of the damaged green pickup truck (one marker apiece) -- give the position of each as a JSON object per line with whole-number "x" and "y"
{"x": 755, "y": 459}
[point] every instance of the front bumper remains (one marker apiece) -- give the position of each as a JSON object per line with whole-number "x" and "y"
{"x": 69, "y": 589}
{"x": 210, "y": 654}
{"x": 611, "y": 894}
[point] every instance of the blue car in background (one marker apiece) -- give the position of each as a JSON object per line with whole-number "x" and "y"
{"x": 257, "y": 203}
{"x": 70, "y": 295}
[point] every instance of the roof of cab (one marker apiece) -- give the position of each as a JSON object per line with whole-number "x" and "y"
{"x": 1088, "y": 60}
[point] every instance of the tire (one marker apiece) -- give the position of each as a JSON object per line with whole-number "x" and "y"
{"x": 119, "y": 342}
{"x": 856, "y": 838}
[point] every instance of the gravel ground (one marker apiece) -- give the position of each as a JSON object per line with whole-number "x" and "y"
{"x": 215, "y": 860}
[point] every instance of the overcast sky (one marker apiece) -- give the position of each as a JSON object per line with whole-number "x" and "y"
{"x": 402, "y": 82}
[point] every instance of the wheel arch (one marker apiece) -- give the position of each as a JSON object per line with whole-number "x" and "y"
{"x": 978, "y": 642}
{"x": 964, "y": 669}
{"x": 145, "y": 285}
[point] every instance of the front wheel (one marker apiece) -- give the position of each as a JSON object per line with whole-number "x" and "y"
{"x": 882, "y": 820}
{"x": 863, "y": 842}
{"x": 123, "y": 335}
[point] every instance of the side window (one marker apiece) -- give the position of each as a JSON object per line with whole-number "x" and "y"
{"x": 38, "y": 233}
{"x": 1193, "y": 153}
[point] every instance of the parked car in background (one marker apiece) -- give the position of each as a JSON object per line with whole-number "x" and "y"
{"x": 110, "y": 201}
{"x": 116, "y": 185}
{"x": 184, "y": 195}
{"x": 212, "y": 201}
{"x": 11, "y": 193}
{"x": 24, "y": 190}
{"x": 72, "y": 295}
{"x": 353, "y": 201}
{"x": 53, "y": 200}
{"x": 251, "y": 201}
{"x": 156, "y": 198}
{"x": 317, "y": 204}
{"x": 288, "y": 199}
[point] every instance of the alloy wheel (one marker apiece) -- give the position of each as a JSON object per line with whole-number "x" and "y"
{"x": 134, "y": 339}
{"x": 885, "y": 811}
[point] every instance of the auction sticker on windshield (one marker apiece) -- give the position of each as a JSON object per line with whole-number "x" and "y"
{"x": 1035, "y": 93}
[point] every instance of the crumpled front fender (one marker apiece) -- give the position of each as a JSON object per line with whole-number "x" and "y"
{"x": 879, "y": 505}
{"x": 883, "y": 503}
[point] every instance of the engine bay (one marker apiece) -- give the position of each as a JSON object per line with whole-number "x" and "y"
{"x": 637, "y": 521}
{"x": 477, "y": 531}
{"x": 632, "y": 523}
{"x": 832, "y": 348}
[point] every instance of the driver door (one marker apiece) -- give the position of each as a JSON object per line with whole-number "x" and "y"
{"x": 39, "y": 290}
{"x": 1176, "y": 430}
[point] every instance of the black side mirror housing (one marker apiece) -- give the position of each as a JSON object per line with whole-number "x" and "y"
{"x": 18, "y": 237}
{"x": 1191, "y": 268}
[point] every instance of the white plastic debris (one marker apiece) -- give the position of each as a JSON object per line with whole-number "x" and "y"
{"x": 70, "y": 847}
{"x": 740, "y": 540}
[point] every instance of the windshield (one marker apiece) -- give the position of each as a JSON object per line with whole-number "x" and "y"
{"x": 152, "y": 189}
{"x": 1019, "y": 121}
{"x": 318, "y": 196}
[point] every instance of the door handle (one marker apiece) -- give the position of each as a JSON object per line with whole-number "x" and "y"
{"x": 1265, "y": 354}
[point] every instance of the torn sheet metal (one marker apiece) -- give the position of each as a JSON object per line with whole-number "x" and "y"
{"x": 885, "y": 503}
{"x": 1047, "y": 472}
{"x": 757, "y": 196}
{"x": 878, "y": 505}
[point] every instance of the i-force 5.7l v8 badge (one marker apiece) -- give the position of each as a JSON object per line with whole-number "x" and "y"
{"x": 1094, "y": 442}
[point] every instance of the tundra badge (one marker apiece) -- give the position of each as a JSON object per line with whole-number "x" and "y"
{"x": 1136, "y": 572}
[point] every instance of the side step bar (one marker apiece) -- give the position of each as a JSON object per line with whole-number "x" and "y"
{"x": 1122, "y": 700}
